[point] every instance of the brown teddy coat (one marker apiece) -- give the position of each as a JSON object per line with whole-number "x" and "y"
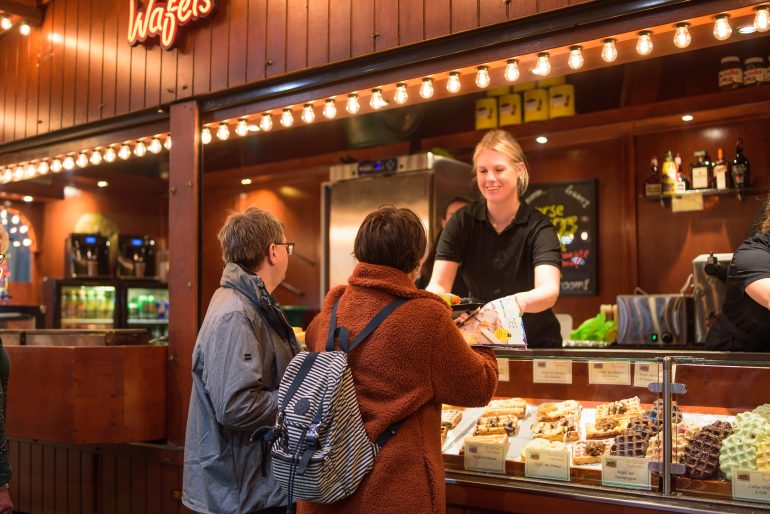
{"x": 415, "y": 361}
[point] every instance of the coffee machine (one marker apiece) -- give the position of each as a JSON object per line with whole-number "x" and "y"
{"x": 87, "y": 255}
{"x": 136, "y": 257}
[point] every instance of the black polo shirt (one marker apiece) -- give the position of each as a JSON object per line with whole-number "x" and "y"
{"x": 744, "y": 324}
{"x": 496, "y": 265}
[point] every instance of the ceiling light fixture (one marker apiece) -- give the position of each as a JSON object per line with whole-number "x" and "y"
{"x": 242, "y": 127}
{"x": 352, "y": 105}
{"x": 682, "y": 38}
{"x": 644, "y": 43}
{"x": 206, "y": 135}
{"x": 401, "y": 95}
{"x": 482, "y": 77}
{"x": 266, "y": 123}
{"x": 426, "y": 88}
{"x": 453, "y": 84}
{"x": 223, "y": 131}
{"x": 330, "y": 109}
{"x": 308, "y": 114}
{"x": 511, "y": 73}
{"x": 762, "y": 18}
{"x": 575, "y": 60}
{"x": 543, "y": 65}
{"x": 722, "y": 28}
{"x": 609, "y": 50}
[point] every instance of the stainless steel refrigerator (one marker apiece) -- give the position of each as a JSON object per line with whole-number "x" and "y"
{"x": 422, "y": 182}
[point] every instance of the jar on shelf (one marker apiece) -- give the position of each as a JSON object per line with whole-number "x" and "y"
{"x": 754, "y": 71}
{"x": 730, "y": 72}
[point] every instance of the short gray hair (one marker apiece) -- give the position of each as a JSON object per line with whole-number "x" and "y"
{"x": 246, "y": 236}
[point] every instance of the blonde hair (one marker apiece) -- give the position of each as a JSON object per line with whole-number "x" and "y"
{"x": 502, "y": 142}
{"x": 764, "y": 226}
{"x": 246, "y": 236}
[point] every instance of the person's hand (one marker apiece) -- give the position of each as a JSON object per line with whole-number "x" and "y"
{"x": 6, "y": 505}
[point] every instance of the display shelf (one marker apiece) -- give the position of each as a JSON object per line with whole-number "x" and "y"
{"x": 81, "y": 321}
{"x": 141, "y": 322}
{"x": 739, "y": 193}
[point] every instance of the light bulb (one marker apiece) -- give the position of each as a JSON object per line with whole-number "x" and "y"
{"x": 352, "y": 105}
{"x": 543, "y": 65}
{"x": 609, "y": 50}
{"x": 56, "y": 165}
{"x": 223, "y": 131}
{"x": 24, "y": 29}
{"x": 682, "y": 38}
{"x": 124, "y": 152}
{"x": 5, "y": 23}
{"x": 762, "y": 18}
{"x": 511, "y": 70}
{"x": 42, "y": 167}
{"x": 426, "y": 88}
{"x": 401, "y": 95}
{"x": 140, "y": 150}
{"x": 644, "y": 43}
{"x": 7, "y": 176}
{"x": 109, "y": 154}
{"x": 287, "y": 118}
{"x": 453, "y": 84}
{"x": 31, "y": 170}
{"x": 167, "y": 143}
{"x": 82, "y": 160}
{"x": 18, "y": 173}
{"x": 206, "y": 135}
{"x": 68, "y": 163}
{"x": 23, "y": 229}
{"x": 330, "y": 109}
{"x": 96, "y": 157}
{"x": 575, "y": 60}
{"x": 308, "y": 114}
{"x": 102, "y": 183}
{"x": 482, "y": 76}
{"x": 376, "y": 101}
{"x": 155, "y": 145}
{"x": 242, "y": 127}
{"x": 722, "y": 28}
{"x": 266, "y": 123}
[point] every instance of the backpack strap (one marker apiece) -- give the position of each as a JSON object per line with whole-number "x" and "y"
{"x": 343, "y": 333}
{"x": 310, "y": 358}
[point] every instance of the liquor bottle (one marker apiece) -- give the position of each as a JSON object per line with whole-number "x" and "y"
{"x": 652, "y": 186}
{"x": 740, "y": 167}
{"x": 682, "y": 182}
{"x": 721, "y": 177}
{"x": 701, "y": 170}
{"x": 668, "y": 175}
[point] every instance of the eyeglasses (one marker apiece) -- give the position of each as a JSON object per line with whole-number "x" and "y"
{"x": 289, "y": 248}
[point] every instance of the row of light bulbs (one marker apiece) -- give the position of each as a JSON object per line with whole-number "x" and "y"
{"x": 7, "y": 24}
{"x": 644, "y": 46}
{"x": 95, "y": 157}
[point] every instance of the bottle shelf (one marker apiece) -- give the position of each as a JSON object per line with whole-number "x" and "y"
{"x": 740, "y": 193}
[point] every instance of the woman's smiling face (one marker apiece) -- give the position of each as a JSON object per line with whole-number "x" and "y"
{"x": 497, "y": 176}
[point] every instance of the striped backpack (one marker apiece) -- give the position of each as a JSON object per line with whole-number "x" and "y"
{"x": 320, "y": 450}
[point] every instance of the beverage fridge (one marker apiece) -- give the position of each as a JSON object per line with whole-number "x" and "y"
{"x": 146, "y": 306}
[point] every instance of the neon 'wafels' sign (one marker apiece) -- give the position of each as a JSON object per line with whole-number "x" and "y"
{"x": 163, "y": 19}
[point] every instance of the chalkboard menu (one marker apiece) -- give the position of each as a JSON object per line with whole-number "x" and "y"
{"x": 571, "y": 206}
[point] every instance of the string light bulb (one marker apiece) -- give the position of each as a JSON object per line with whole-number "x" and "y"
{"x": 5, "y": 23}
{"x": 167, "y": 143}
{"x": 482, "y": 77}
{"x": 42, "y": 168}
{"x": 266, "y": 122}
{"x": 426, "y": 88}
{"x": 330, "y": 109}
{"x": 511, "y": 73}
{"x": 24, "y": 28}
{"x": 308, "y": 114}
{"x": 155, "y": 145}
{"x": 609, "y": 50}
{"x": 82, "y": 160}
{"x": 31, "y": 170}
{"x": 644, "y": 42}
{"x": 56, "y": 166}
{"x": 575, "y": 59}
{"x": 68, "y": 163}
{"x": 223, "y": 131}
{"x": 242, "y": 127}
{"x": 124, "y": 152}
{"x": 287, "y": 118}
{"x": 206, "y": 135}
{"x": 109, "y": 154}
{"x": 543, "y": 65}
{"x": 453, "y": 84}
{"x": 722, "y": 28}
{"x": 96, "y": 157}
{"x": 140, "y": 150}
{"x": 762, "y": 18}
{"x": 352, "y": 105}
{"x": 401, "y": 95}
{"x": 682, "y": 38}
{"x": 376, "y": 101}
{"x": 18, "y": 173}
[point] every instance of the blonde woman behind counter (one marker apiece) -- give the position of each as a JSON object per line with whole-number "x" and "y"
{"x": 505, "y": 246}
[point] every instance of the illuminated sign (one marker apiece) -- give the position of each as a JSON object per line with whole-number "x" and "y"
{"x": 163, "y": 19}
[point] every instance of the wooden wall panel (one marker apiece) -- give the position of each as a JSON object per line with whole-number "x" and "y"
{"x": 220, "y": 47}
{"x": 318, "y": 32}
{"x": 96, "y": 61}
{"x": 339, "y": 30}
{"x": 439, "y": 21}
{"x": 465, "y": 15}
{"x": 239, "y": 18}
{"x": 169, "y": 68}
{"x": 493, "y": 12}
{"x": 548, "y": 5}
{"x": 137, "y": 76}
{"x": 256, "y": 41}
{"x": 124, "y": 53}
{"x": 411, "y": 28}
{"x": 155, "y": 54}
{"x": 361, "y": 27}
{"x": 22, "y": 75}
{"x": 386, "y": 16}
{"x": 276, "y": 38}
{"x": 112, "y": 39}
{"x": 202, "y": 59}
{"x": 83, "y": 69}
{"x": 70, "y": 31}
{"x": 296, "y": 35}
{"x": 7, "y": 118}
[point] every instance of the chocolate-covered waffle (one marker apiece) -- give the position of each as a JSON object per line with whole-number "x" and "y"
{"x": 564, "y": 429}
{"x": 608, "y": 427}
{"x": 643, "y": 425}
{"x": 630, "y": 443}
{"x": 497, "y": 425}
{"x": 627, "y": 408}
{"x": 590, "y": 452}
{"x": 701, "y": 455}
{"x": 656, "y": 412}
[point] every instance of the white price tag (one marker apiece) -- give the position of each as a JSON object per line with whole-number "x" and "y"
{"x": 551, "y": 371}
{"x": 609, "y": 372}
{"x": 751, "y": 485}
{"x": 553, "y": 465}
{"x": 645, "y": 373}
{"x": 685, "y": 203}
{"x": 503, "y": 370}
{"x": 485, "y": 457}
{"x": 630, "y": 472}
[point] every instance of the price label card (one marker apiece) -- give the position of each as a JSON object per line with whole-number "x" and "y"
{"x": 551, "y": 372}
{"x": 503, "y": 370}
{"x": 685, "y": 203}
{"x": 609, "y": 372}
{"x": 553, "y": 465}
{"x": 645, "y": 373}
{"x": 485, "y": 457}
{"x": 629, "y": 472}
{"x": 751, "y": 485}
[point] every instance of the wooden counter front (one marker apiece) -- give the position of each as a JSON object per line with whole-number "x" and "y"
{"x": 87, "y": 395}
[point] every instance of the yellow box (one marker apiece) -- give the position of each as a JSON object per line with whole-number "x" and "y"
{"x": 499, "y": 91}
{"x": 509, "y": 109}
{"x": 520, "y": 88}
{"x": 486, "y": 113}
{"x": 562, "y": 101}
{"x": 551, "y": 81}
{"x": 535, "y": 105}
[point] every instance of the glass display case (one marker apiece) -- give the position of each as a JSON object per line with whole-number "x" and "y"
{"x": 81, "y": 303}
{"x": 147, "y": 307}
{"x": 636, "y": 428}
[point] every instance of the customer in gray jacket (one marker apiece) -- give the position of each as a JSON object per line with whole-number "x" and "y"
{"x": 242, "y": 351}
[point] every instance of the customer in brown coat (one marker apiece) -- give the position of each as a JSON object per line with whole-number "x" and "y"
{"x": 411, "y": 364}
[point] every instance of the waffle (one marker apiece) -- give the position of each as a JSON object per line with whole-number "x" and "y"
{"x": 543, "y": 444}
{"x": 485, "y": 439}
{"x": 630, "y": 443}
{"x": 513, "y": 406}
{"x": 444, "y": 431}
{"x": 656, "y": 412}
{"x": 450, "y": 418}
{"x": 701, "y": 455}
{"x": 564, "y": 429}
{"x": 628, "y": 408}
{"x": 506, "y": 424}
{"x": 750, "y": 425}
{"x": 642, "y": 425}
{"x": 763, "y": 410}
{"x": 683, "y": 432}
{"x": 739, "y": 451}
{"x": 590, "y": 452}
{"x": 763, "y": 454}
{"x": 606, "y": 428}
{"x": 553, "y": 411}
